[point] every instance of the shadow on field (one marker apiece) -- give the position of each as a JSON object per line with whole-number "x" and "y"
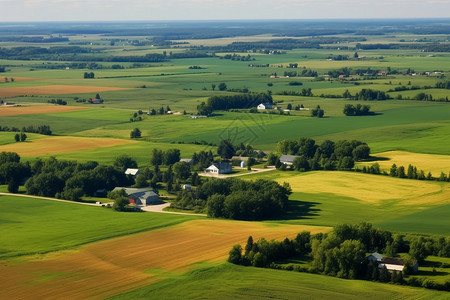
{"x": 301, "y": 210}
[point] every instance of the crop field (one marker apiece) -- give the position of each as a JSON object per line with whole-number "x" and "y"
{"x": 426, "y": 162}
{"x": 6, "y": 111}
{"x": 330, "y": 198}
{"x": 115, "y": 265}
{"x": 57, "y": 145}
{"x": 227, "y": 281}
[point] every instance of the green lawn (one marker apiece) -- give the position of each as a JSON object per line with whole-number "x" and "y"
{"x": 227, "y": 281}
{"x": 32, "y": 226}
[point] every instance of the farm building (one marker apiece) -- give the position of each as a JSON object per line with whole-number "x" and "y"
{"x": 141, "y": 196}
{"x": 288, "y": 159}
{"x": 187, "y": 160}
{"x": 222, "y": 168}
{"x": 391, "y": 263}
{"x": 96, "y": 101}
{"x": 132, "y": 172}
{"x": 264, "y": 106}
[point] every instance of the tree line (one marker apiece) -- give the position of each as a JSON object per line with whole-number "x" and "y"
{"x": 236, "y": 199}
{"x": 328, "y": 155}
{"x": 342, "y": 253}
{"x": 41, "y": 129}
{"x": 239, "y": 101}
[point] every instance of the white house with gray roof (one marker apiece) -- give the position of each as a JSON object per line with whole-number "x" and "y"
{"x": 288, "y": 159}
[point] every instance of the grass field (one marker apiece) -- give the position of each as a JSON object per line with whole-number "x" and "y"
{"x": 426, "y": 162}
{"x": 227, "y": 281}
{"x": 330, "y": 198}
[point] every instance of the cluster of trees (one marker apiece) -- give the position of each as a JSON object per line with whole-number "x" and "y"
{"x": 168, "y": 157}
{"x": 304, "y": 92}
{"x": 20, "y": 137}
{"x": 429, "y": 97}
{"x": 58, "y": 101}
{"x": 236, "y": 199}
{"x": 12, "y": 171}
{"x": 233, "y": 102}
{"x": 317, "y": 112}
{"x": 237, "y": 57}
{"x": 135, "y": 133}
{"x": 42, "y": 129}
{"x": 88, "y": 75}
{"x": 443, "y": 85}
{"x": 342, "y": 253}
{"x": 366, "y": 94}
{"x": 326, "y": 156}
{"x": 357, "y": 110}
{"x": 304, "y": 73}
{"x": 295, "y": 83}
{"x": 412, "y": 173}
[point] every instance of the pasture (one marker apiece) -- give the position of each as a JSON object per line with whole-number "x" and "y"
{"x": 227, "y": 281}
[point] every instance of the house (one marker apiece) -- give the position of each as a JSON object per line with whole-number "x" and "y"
{"x": 132, "y": 172}
{"x": 288, "y": 159}
{"x": 141, "y": 196}
{"x": 242, "y": 164}
{"x": 96, "y": 101}
{"x": 189, "y": 161}
{"x": 187, "y": 187}
{"x": 264, "y": 106}
{"x": 391, "y": 263}
{"x": 219, "y": 168}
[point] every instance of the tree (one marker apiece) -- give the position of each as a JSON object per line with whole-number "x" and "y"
{"x": 204, "y": 109}
{"x": 235, "y": 255}
{"x": 135, "y": 133}
{"x": 289, "y": 106}
{"x": 17, "y": 137}
{"x": 213, "y": 86}
{"x": 120, "y": 203}
{"x": 182, "y": 170}
{"x": 97, "y": 96}
{"x": 13, "y": 186}
{"x": 157, "y": 157}
{"x": 226, "y": 149}
{"x": 171, "y": 156}
{"x": 222, "y": 86}
{"x": 124, "y": 162}
{"x": 214, "y": 205}
{"x": 361, "y": 152}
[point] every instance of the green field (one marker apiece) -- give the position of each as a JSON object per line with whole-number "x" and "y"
{"x": 35, "y": 226}
{"x": 227, "y": 281}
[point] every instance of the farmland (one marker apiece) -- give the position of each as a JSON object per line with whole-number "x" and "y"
{"x": 52, "y": 249}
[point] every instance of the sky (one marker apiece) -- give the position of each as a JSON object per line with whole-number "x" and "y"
{"x": 149, "y": 10}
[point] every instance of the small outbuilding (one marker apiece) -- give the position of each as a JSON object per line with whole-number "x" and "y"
{"x": 132, "y": 172}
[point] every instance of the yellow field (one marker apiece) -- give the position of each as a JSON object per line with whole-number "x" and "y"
{"x": 35, "y": 109}
{"x": 426, "y": 162}
{"x": 53, "y": 90}
{"x": 373, "y": 189}
{"x": 109, "y": 267}
{"x": 61, "y": 144}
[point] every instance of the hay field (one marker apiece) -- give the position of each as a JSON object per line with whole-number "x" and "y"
{"x": 61, "y": 144}
{"x": 6, "y": 111}
{"x": 370, "y": 189}
{"x": 426, "y": 162}
{"x": 53, "y": 90}
{"x": 109, "y": 267}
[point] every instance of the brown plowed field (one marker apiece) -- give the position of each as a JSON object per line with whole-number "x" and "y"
{"x": 35, "y": 109}
{"x": 110, "y": 267}
{"x": 53, "y": 90}
{"x": 61, "y": 144}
